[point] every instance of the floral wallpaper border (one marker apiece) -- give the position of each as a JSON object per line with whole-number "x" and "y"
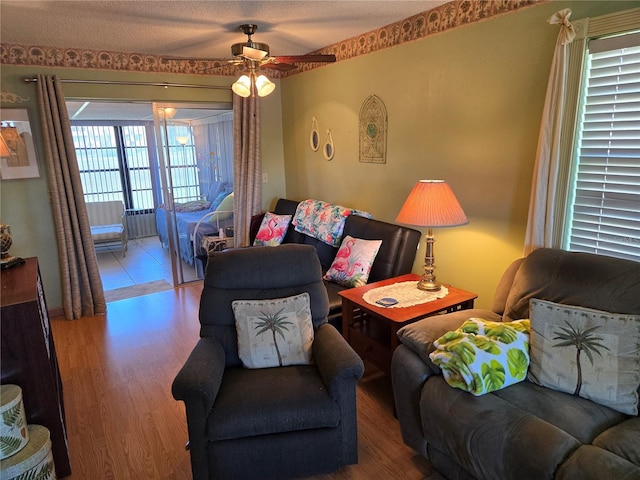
{"x": 450, "y": 15}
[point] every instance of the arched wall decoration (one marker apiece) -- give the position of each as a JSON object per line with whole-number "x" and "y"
{"x": 372, "y": 130}
{"x": 314, "y": 137}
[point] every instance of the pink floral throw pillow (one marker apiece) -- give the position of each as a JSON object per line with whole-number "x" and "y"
{"x": 272, "y": 230}
{"x": 353, "y": 262}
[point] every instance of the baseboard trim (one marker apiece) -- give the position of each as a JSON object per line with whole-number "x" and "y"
{"x": 55, "y": 312}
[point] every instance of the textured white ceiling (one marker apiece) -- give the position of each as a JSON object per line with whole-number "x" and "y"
{"x": 198, "y": 29}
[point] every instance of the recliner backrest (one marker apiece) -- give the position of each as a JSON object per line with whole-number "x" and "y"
{"x": 504, "y": 286}
{"x": 574, "y": 278}
{"x": 257, "y": 273}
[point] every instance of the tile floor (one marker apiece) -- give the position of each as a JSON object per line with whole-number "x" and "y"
{"x": 146, "y": 261}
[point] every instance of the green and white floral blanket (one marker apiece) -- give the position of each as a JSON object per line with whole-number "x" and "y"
{"x": 482, "y": 356}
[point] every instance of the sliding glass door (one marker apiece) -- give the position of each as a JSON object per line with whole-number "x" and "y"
{"x": 195, "y": 157}
{"x": 171, "y": 165}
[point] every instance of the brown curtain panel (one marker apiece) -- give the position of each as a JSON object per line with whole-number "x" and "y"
{"x": 82, "y": 293}
{"x": 247, "y": 167}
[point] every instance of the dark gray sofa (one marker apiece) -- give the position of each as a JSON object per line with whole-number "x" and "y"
{"x": 524, "y": 431}
{"x": 395, "y": 257}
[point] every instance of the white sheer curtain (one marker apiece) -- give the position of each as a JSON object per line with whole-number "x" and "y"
{"x": 214, "y": 149}
{"x": 541, "y": 221}
{"x": 247, "y": 176}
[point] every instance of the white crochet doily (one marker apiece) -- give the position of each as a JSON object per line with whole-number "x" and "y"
{"x": 406, "y": 293}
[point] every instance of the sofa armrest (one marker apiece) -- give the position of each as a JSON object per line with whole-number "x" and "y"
{"x": 335, "y": 358}
{"x": 340, "y": 368}
{"x": 419, "y": 336}
{"x": 254, "y": 226}
{"x": 408, "y": 375}
{"x": 197, "y": 385}
{"x": 198, "y": 381}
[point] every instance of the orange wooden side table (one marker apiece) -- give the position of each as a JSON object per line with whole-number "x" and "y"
{"x": 372, "y": 330}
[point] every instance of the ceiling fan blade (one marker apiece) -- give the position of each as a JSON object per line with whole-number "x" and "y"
{"x": 281, "y": 67}
{"x": 193, "y": 59}
{"x": 304, "y": 58}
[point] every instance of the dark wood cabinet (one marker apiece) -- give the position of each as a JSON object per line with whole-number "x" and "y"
{"x": 28, "y": 355}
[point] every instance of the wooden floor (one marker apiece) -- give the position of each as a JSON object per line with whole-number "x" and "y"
{"x": 123, "y": 423}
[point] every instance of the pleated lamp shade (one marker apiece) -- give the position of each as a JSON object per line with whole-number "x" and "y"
{"x": 432, "y": 203}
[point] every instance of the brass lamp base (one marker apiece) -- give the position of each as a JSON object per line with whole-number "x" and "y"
{"x": 428, "y": 281}
{"x": 428, "y": 285}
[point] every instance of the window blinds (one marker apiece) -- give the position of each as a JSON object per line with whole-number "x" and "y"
{"x": 606, "y": 199}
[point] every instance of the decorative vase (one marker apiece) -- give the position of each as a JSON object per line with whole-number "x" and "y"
{"x": 5, "y": 241}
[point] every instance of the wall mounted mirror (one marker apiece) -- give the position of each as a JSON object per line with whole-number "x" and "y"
{"x": 314, "y": 137}
{"x": 328, "y": 150}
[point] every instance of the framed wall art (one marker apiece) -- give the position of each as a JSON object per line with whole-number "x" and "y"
{"x": 372, "y": 130}
{"x": 17, "y": 151}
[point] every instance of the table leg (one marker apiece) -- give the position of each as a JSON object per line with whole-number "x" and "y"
{"x": 347, "y": 317}
{"x": 393, "y": 340}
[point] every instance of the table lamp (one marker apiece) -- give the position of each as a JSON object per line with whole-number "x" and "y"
{"x": 431, "y": 204}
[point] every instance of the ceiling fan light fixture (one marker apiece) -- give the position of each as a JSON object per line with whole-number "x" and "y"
{"x": 264, "y": 86}
{"x": 242, "y": 86}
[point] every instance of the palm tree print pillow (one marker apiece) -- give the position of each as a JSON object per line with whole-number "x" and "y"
{"x": 585, "y": 352}
{"x": 483, "y": 356}
{"x": 274, "y": 332}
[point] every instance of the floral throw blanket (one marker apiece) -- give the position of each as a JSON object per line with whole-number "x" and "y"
{"x": 323, "y": 220}
{"x": 483, "y": 356}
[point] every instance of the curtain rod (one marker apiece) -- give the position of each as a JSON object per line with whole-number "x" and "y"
{"x": 144, "y": 84}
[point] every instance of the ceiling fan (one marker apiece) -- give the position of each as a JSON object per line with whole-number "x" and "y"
{"x": 254, "y": 55}
{"x": 258, "y": 54}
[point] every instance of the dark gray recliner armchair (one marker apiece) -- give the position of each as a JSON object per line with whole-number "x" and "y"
{"x": 283, "y": 422}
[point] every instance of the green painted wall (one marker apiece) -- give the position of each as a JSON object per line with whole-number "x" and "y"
{"x": 24, "y": 204}
{"x": 463, "y": 106}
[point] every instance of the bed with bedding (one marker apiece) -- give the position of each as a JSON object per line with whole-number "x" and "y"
{"x": 208, "y": 216}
